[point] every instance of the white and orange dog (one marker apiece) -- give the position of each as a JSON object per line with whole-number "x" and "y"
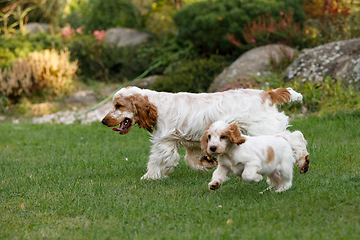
{"x": 179, "y": 120}
{"x": 254, "y": 157}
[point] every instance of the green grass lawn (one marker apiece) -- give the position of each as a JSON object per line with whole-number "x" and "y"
{"x": 83, "y": 182}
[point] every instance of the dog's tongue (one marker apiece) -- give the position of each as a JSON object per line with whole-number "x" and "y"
{"x": 121, "y": 127}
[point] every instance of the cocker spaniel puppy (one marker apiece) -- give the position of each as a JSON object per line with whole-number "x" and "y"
{"x": 179, "y": 120}
{"x": 252, "y": 157}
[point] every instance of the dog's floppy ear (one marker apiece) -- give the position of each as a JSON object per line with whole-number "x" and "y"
{"x": 235, "y": 134}
{"x": 204, "y": 143}
{"x": 145, "y": 112}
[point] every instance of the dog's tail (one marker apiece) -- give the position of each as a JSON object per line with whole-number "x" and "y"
{"x": 281, "y": 95}
{"x": 298, "y": 145}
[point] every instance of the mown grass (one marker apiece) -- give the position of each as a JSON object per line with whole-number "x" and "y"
{"x": 83, "y": 182}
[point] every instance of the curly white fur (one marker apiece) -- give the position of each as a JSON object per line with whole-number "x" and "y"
{"x": 181, "y": 119}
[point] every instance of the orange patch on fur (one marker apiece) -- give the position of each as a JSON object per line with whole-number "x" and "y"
{"x": 145, "y": 112}
{"x": 235, "y": 134}
{"x": 270, "y": 155}
{"x": 278, "y": 95}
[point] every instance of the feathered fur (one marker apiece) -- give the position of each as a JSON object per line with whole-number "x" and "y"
{"x": 179, "y": 120}
{"x": 253, "y": 157}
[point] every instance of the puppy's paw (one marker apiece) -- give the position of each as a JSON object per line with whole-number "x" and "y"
{"x": 214, "y": 185}
{"x": 208, "y": 163}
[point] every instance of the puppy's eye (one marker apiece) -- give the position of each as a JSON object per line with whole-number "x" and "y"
{"x": 209, "y": 137}
{"x": 117, "y": 106}
{"x": 222, "y": 137}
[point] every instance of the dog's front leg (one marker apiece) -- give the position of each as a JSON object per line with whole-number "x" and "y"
{"x": 163, "y": 158}
{"x": 219, "y": 176}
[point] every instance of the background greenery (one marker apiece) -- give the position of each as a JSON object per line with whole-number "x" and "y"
{"x": 185, "y": 33}
{"x": 81, "y": 181}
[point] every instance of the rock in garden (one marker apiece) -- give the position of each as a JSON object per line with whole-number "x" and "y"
{"x": 144, "y": 82}
{"x": 34, "y": 27}
{"x": 340, "y": 60}
{"x": 125, "y": 36}
{"x": 253, "y": 62}
{"x": 85, "y": 97}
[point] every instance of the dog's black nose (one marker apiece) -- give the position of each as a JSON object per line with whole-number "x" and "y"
{"x": 103, "y": 121}
{"x": 213, "y": 148}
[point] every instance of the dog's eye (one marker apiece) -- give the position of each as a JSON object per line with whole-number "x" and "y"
{"x": 209, "y": 137}
{"x": 117, "y": 106}
{"x": 222, "y": 137}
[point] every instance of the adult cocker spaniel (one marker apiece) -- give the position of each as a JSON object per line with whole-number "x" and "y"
{"x": 179, "y": 120}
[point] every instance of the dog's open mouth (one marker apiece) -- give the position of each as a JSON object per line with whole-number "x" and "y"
{"x": 124, "y": 127}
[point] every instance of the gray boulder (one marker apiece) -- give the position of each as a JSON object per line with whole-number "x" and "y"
{"x": 144, "y": 82}
{"x": 253, "y": 62}
{"x": 85, "y": 97}
{"x": 34, "y": 27}
{"x": 125, "y": 36}
{"x": 340, "y": 60}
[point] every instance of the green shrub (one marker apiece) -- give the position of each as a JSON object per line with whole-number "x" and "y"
{"x": 111, "y": 13}
{"x": 266, "y": 30}
{"x": 193, "y": 76}
{"x": 158, "y": 18}
{"x": 20, "y": 46}
{"x": 206, "y": 23}
{"x": 105, "y": 62}
{"x": 101, "y": 61}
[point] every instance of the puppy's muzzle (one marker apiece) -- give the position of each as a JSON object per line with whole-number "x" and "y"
{"x": 213, "y": 148}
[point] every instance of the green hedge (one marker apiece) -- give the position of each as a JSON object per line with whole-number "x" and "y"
{"x": 192, "y": 76}
{"x": 206, "y": 23}
{"x": 102, "y": 15}
{"x": 20, "y": 46}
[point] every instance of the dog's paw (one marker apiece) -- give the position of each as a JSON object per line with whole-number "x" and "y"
{"x": 305, "y": 166}
{"x": 214, "y": 185}
{"x": 149, "y": 176}
{"x": 209, "y": 163}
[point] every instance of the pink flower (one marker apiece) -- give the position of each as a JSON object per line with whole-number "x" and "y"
{"x": 66, "y": 32}
{"x": 253, "y": 40}
{"x": 100, "y": 35}
{"x": 281, "y": 13}
{"x": 79, "y": 30}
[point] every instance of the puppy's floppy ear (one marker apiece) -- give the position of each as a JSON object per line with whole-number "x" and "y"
{"x": 145, "y": 112}
{"x": 235, "y": 134}
{"x": 204, "y": 141}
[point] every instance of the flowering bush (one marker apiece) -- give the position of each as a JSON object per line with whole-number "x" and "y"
{"x": 205, "y": 23}
{"x": 100, "y": 35}
{"x": 266, "y": 30}
{"x": 333, "y": 20}
{"x": 66, "y": 31}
